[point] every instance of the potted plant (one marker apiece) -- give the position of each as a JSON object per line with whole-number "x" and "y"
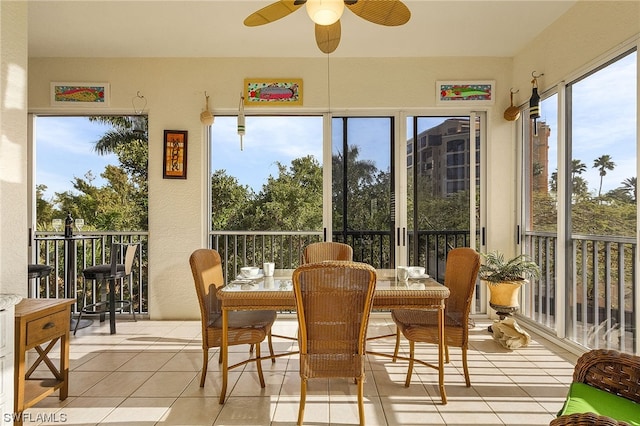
{"x": 504, "y": 278}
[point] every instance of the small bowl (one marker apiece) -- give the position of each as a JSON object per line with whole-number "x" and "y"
{"x": 250, "y": 271}
{"x": 416, "y": 271}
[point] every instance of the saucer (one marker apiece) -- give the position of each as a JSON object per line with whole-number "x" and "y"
{"x": 252, "y": 277}
{"x": 419, "y": 277}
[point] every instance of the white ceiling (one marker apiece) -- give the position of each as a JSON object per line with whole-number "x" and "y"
{"x": 214, "y": 28}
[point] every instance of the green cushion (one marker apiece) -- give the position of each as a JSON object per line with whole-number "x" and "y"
{"x": 583, "y": 398}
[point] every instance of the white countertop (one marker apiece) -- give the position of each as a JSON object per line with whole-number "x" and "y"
{"x": 8, "y": 299}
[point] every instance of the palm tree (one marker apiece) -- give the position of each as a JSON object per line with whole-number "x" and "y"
{"x": 127, "y": 129}
{"x": 603, "y": 163}
{"x": 577, "y": 167}
{"x": 630, "y": 186}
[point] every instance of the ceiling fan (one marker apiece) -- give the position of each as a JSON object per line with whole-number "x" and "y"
{"x": 326, "y": 15}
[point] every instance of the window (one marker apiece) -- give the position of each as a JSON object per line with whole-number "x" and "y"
{"x": 596, "y": 239}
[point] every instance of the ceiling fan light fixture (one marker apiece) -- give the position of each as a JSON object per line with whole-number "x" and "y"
{"x": 325, "y": 12}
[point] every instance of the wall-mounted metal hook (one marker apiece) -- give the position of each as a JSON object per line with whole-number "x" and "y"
{"x": 533, "y": 74}
{"x": 141, "y": 104}
{"x": 514, "y": 91}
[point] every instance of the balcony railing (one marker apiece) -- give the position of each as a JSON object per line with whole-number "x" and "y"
{"x": 243, "y": 248}
{"x": 600, "y": 293}
{"x": 93, "y": 248}
{"x": 601, "y": 308}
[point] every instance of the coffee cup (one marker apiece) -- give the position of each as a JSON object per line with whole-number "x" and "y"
{"x": 268, "y": 268}
{"x": 402, "y": 273}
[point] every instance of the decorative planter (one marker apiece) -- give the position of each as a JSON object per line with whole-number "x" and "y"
{"x": 504, "y": 296}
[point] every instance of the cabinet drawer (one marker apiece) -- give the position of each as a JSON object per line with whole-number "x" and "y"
{"x": 46, "y": 328}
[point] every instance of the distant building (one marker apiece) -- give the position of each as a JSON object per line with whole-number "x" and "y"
{"x": 539, "y": 157}
{"x": 442, "y": 156}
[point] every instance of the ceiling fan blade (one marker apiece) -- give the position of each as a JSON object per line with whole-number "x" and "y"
{"x": 272, "y": 12}
{"x": 388, "y": 12}
{"x": 328, "y": 36}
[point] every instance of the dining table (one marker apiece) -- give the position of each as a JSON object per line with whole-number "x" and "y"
{"x": 276, "y": 293}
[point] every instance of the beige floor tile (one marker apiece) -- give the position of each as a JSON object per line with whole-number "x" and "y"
{"x": 249, "y": 384}
{"x": 107, "y": 361}
{"x": 212, "y": 385}
{"x": 186, "y": 360}
{"x": 158, "y": 374}
{"x": 165, "y": 384}
{"x": 81, "y": 381}
{"x": 410, "y": 410}
{"x": 139, "y": 411}
{"x": 465, "y": 418}
{"x": 118, "y": 383}
{"x": 316, "y": 411}
{"x": 247, "y": 411}
{"x": 529, "y": 419}
{"x": 88, "y": 410}
{"x": 343, "y": 410}
{"x": 192, "y": 411}
{"x": 147, "y": 361}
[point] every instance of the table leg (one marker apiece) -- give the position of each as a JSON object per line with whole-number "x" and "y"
{"x": 441, "y": 344}
{"x": 64, "y": 363}
{"x": 224, "y": 348}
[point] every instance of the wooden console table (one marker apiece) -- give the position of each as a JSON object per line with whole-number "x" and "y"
{"x": 38, "y": 321}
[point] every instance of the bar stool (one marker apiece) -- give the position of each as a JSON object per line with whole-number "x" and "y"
{"x": 37, "y": 271}
{"x": 110, "y": 273}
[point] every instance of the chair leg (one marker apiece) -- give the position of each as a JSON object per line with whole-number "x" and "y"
{"x": 303, "y": 400}
{"x": 395, "y": 351}
{"x": 77, "y": 322}
{"x": 270, "y": 342}
{"x": 407, "y": 382}
{"x": 361, "y": 399}
{"x": 205, "y": 363}
{"x": 446, "y": 353}
{"x": 465, "y": 366}
{"x": 259, "y": 366}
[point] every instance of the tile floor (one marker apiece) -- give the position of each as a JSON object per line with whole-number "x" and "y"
{"x": 148, "y": 374}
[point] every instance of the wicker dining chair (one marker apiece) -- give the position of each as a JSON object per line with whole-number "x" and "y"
{"x": 327, "y": 250}
{"x": 609, "y": 370}
{"x": 460, "y": 277}
{"x": 333, "y": 301}
{"x": 245, "y": 327}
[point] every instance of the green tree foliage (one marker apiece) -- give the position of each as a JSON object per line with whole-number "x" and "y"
{"x": 228, "y": 200}
{"x": 365, "y": 185}
{"x": 121, "y": 204}
{"x": 603, "y": 163}
{"x": 630, "y": 187}
{"x": 291, "y": 201}
{"x": 610, "y": 214}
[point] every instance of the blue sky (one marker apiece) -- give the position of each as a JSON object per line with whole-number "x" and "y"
{"x": 604, "y": 123}
{"x": 64, "y": 150}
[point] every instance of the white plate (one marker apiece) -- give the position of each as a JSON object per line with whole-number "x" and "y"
{"x": 252, "y": 277}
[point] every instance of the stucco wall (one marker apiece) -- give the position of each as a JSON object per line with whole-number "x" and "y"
{"x": 13, "y": 148}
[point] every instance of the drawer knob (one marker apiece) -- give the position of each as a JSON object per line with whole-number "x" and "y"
{"x": 48, "y": 325}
